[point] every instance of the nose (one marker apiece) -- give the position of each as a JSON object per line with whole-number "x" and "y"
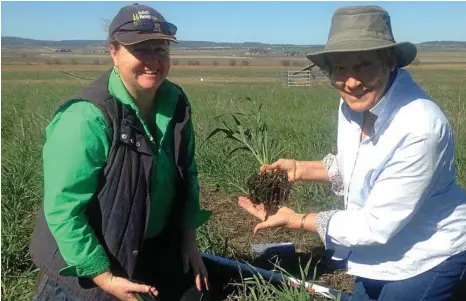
{"x": 157, "y": 61}
{"x": 153, "y": 59}
{"x": 151, "y": 56}
{"x": 352, "y": 82}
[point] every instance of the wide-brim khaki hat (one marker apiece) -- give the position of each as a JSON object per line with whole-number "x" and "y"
{"x": 359, "y": 29}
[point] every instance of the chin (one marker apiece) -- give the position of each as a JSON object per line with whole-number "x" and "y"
{"x": 150, "y": 84}
{"x": 358, "y": 107}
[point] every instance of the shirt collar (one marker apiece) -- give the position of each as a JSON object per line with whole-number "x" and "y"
{"x": 118, "y": 90}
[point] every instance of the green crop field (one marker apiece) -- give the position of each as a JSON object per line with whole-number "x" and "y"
{"x": 304, "y": 121}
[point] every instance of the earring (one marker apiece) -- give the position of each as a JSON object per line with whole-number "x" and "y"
{"x": 116, "y": 71}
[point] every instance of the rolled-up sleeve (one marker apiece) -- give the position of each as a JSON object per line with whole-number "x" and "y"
{"x": 397, "y": 194}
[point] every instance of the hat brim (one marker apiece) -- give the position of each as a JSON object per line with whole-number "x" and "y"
{"x": 405, "y": 52}
{"x": 135, "y": 37}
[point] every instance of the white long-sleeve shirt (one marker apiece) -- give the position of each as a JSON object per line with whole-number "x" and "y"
{"x": 405, "y": 213}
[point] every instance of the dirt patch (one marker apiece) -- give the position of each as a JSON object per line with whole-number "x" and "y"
{"x": 236, "y": 225}
{"x": 338, "y": 280}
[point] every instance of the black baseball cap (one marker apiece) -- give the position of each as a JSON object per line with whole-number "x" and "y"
{"x": 137, "y": 23}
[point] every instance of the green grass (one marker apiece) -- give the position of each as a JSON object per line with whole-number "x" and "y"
{"x": 39, "y": 75}
{"x": 210, "y": 72}
{"x": 304, "y": 120}
{"x": 224, "y": 72}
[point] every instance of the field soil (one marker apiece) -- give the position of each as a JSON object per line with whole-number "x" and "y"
{"x": 236, "y": 226}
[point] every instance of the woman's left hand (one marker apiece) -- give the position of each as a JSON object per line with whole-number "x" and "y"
{"x": 192, "y": 258}
{"x": 282, "y": 218}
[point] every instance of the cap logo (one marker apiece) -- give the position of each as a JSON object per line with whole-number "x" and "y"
{"x": 143, "y": 14}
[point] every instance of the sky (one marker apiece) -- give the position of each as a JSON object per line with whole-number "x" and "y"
{"x": 302, "y": 23}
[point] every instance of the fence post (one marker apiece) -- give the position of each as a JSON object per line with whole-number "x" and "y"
{"x": 299, "y": 78}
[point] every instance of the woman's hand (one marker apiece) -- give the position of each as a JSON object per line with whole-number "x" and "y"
{"x": 121, "y": 288}
{"x": 283, "y": 218}
{"x": 289, "y": 166}
{"x": 192, "y": 258}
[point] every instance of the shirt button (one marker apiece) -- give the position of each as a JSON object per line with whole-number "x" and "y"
{"x": 135, "y": 252}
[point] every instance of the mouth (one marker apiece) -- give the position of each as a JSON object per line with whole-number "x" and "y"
{"x": 359, "y": 94}
{"x": 150, "y": 72}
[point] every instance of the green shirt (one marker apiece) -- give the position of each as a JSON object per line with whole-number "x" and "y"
{"x": 76, "y": 150}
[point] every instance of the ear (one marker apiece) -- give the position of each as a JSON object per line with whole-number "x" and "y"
{"x": 113, "y": 53}
{"x": 391, "y": 60}
{"x": 391, "y": 63}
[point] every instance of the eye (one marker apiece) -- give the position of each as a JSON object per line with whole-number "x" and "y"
{"x": 366, "y": 64}
{"x": 363, "y": 64}
{"x": 339, "y": 69}
{"x": 138, "y": 51}
{"x": 161, "y": 50}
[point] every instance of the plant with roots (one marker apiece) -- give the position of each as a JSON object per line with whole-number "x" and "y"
{"x": 268, "y": 188}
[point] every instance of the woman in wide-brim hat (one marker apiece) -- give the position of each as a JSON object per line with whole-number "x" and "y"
{"x": 402, "y": 229}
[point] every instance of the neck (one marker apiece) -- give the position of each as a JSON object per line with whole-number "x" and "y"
{"x": 391, "y": 79}
{"x": 143, "y": 99}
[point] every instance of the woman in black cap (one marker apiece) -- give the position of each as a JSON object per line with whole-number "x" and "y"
{"x": 403, "y": 229}
{"x": 121, "y": 199}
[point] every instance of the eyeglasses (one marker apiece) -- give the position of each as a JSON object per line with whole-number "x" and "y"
{"x": 364, "y": 71}
{"x": 365, "y": 68}
{"x": 148, "y": 26}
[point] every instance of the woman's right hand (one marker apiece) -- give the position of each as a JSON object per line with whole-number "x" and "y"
{"x": 290, "y": 166}
{"x": 120, "y": 287}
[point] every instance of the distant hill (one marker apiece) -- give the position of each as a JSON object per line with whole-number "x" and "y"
{"x": 443, "y": 44}
{"x": 15, "y": 42}
{"x": 11, "y": 42}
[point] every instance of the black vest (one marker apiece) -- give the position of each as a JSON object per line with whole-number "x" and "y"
{"x": 119, "y": 210}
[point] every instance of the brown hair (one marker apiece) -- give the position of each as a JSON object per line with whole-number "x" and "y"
{"x": 114, "y": 42}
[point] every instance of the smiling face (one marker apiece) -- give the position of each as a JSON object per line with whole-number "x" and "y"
{"x": 361, "y": 77}
{"x": 143, "y": 66}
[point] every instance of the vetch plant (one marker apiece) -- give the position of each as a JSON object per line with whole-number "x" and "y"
{"x": 267, "y": 188}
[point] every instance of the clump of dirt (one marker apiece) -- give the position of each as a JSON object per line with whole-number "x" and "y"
{"x": 270, "y": 189}
{"x": 338, "y": 280}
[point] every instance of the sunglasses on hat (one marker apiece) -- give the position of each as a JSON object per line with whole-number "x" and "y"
{"x": 149, "y": 26}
